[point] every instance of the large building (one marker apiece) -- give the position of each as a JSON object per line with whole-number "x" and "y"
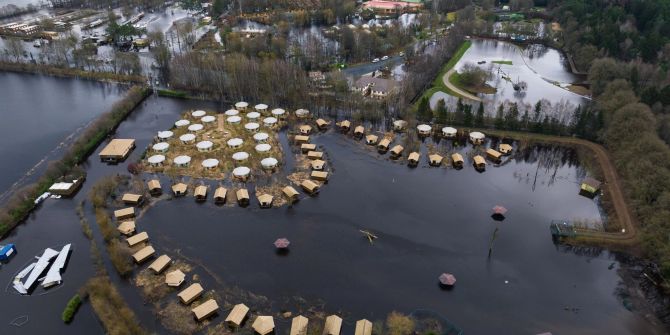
{"x": 382, "y": 7}
{"x": 375, "y": 87}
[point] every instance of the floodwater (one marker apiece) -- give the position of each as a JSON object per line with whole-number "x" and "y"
{"x": 39, "y": 113}
{"x": 543, "y": 69}
{"x": 428, "y": 220}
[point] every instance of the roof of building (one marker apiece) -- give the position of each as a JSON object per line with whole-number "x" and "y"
{"x": 363, "y": 327}
{"x": 205, "y": 309}
{"x": 175, "y": 278}
{"x": 263, "y": 324}
{"x": 309, "y": 185}
{"x": 126, "y": 227}
{"x": 154, "y": 184}
{"x": 137, "y": 238}
{"x": 144, "y": 253}
{"x": 241, "y": 171}
{"x": 384, "y": 142}
{"x": 236, "y": 316}
{"x": 435, "y": 158}
{"x": 345, "y": 124}
{"x": 493, "y": 153}
{"x": 377, "y": 84}
{"x": 457, "y": 158}
{"x": 160, "y": 263}
{"x": 307, "y": 146}
{"x": 301, "y": 138}
{"x": 479, "y": 160}
{"x": 220, "y": 192}
{"x": 305, "y": 128}
{"x": 318, "y": 164}
{"x": 314, "y": 154}
{"x": 118, "y": 147}
{"x": 190, "y": 293}
{"x": 124, "y": 212}
{"x": 290, "y": 192}
{"x": 299, "y": 325}
{"x": 505, "y": 147}
{"x": 333, "y": 325}
{"x": 265, "y": 199}
{"x": 242, "y": 193}
{"x": 414, "y": 156}
{"x": 319, "y": 175}
{"x": 359, "y": 130}
{"x": 131, "y": 197}
{"x": 594, "y": 183}
{"x": 371, "y": 138}
{"x": 396, "y": 150}
{"x": 321, "y": 123}
{"x": 200, "y": 191}
{"x": 179, "y": 188}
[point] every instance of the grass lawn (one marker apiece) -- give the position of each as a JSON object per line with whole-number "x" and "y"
{"x": 438, "y": 84}
{"x": 505, "y": 62}
{"x": 456, "y": 80}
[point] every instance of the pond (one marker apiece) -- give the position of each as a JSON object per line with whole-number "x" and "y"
{"x": 543, "y": 69}
{"x": 428, "y": 220}
{"x": 41, "y": 114}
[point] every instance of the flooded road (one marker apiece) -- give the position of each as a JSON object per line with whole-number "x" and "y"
{"x": 39, "y": 113}
{"x": 429, "y": 221}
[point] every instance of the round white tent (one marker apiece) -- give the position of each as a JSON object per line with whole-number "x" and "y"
{"x": 477, "y": 137}
{"x": 240, "y": 156}
{"x": 165, "y": 134}
{"x": 210, "y": 163}
{"x": 261, "y": 137}
{"x": 208, "y": 119}
{"x": 234, "y": 119}
{"x": 241, "y": 105}
{"x": 182, "y": 161}
{"x": 195, "y": 127}
{"x": 161, "y": 147}
{"x": 269, "y": 163}
{"x": 253, "y": 115}
{"x": 204, "y": 146}
{"x": 301, "y": 113}
{"x": 187, "y": 138}
{"x": 232, "y": 112}
{"x": 269, "y": 121}
{"x": 261, "y": 108}
{"x": 235, "y": 142}
{"x": 278, "y": 112}
{"x": 263, "y": 147}
{"x": 156, "y": 160}
{"x": 182, "y": 123}
{"x": 252, "y": 126}
{"x": 198, "y": 113}
{"x": 423, "y": 129}
{"x": 449, "y": 132}
{"x": 241, "y": 172}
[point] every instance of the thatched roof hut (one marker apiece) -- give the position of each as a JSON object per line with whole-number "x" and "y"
{"x": 205, "y": 309}
{"x": 479, "y": 162}
{"x": 383, "y": 145}
{"x": 413, "y": 158}
{"x": 200, "y": 193}
{"x": 310, "y": 186}
{"x": 220, "y": 195}
{"x": 317, "y": 164}
{"x": 396, "y": 151}
{"x": 493, "y": 155}
{"x": 237, "y": 314}
{"x": 160, "y": 264}
{"x": 435, "y": 160}
{"x": 190, "y": 293}
{"x": 242, "y": 196}
{"x": 290, "y": 193}
{"x": 319, "y": 175}
{"x": 263, "y": 325}
{"x": 179, "y": 189}
{"x": 505, "y": 148}
{"x": 154, "y": 187}
{"x": 371, "y": 139}
{"x": 265, "y": 200}
{"x": 457, "y": 160}
{"x": 143, "y": 254}
{"x": 359, "y": 131}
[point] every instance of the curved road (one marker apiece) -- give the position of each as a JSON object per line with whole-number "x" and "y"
{"x": 459, "y": 91}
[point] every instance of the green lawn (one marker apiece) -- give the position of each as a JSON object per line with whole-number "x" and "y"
{"x": 438, "y": 84}
{"x": 505, "y": 62}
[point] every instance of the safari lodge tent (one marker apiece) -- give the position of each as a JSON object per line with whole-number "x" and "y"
{"x": 126, "y": 228}
{"x": 137, "y": 239}
{"x": 333, "y": 325}
{"x": 265, "y": 200}
{"x": 301, "y": 139}
{"x": 383, "y": 145}
{"x": 143, "y": 254}
{"x": 190, "y": 293}
{"x": 413, "y": 159}
{"x": 311, "y": 187}
{"x": 160, "y": 264}
{"x": 479, "y": 163}
{"x": 396, "y": 151}
{"x": 345, "y": 125}
{"x": 290, "y": 193}
{"x": 237, "y": 315}
{"x": 220, "y": 195}
{"x": 322, "y": 124}
{"x": 205, "y": 310}
{"x": 457, "y": 160}
{"x": 307, "y": 147}
{"x": 505, "y": 148}
{"x": 242, "y": 196}
{"x": 200, "y": 193}
{"x": 117, "y": 150}
{"x": 179, "y": 189}
{"x": 371, "y": 139}
{"x": 435, "y": 160}
{"x": 175, "y": 278}
{"x": 359, "y": 131}
{"x": 154, "y": 187}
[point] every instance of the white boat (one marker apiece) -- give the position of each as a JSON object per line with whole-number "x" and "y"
{"x": 42, "y": 197}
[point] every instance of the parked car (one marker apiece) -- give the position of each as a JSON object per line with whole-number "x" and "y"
{"x": 385, "y": 57}
{"x": 401, "y": 54}
{"x": 375, "y": 60}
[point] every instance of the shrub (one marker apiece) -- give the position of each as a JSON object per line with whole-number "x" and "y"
{"x": 71, "y": 308}
{"x": 399, "y": 324}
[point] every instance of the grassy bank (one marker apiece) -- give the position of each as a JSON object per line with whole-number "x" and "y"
{"x": 457, "y": 81}
{"x": 438, "y": 84}
{"x": 71, "y": 308}
{"x": 116, "y": 317}
{"x": 22, "y": 202}
{"x": 69, "y": 72}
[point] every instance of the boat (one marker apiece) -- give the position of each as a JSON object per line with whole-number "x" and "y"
{"x": 42, "y": 197}
{"x": 53, "y": 276}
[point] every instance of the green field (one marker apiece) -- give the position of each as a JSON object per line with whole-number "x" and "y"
{"x": 504, "y": 62}
{"x": 438, "y": 84}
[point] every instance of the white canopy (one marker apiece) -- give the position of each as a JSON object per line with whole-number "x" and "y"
{"x": 234, "y": 119}
{"x": 278, "y": 112}
{"x": 253, "y": 115}
{"x": 235, "y": 142}
{"x": 241, "y": 171}
{"x": 449, "y": 130}
{"x": 423, "y": 128}
{"x": 198, "y": 113}
{"x": 241, "y": 104}
{"x": 161, "y": 146}
{"x": 261, "y": 137}
{"x": 269, "y": 162}
{"x": 240, "y": 156}
{"x": 156, "y": 159}
{"x": 399, "y": 123}
{"x": 232, "y": 112}
{"x": 251, "y": 126}
{"x": 182, "y": 123}
{"x": 268, "y": 121}
{"x": 261, "y": 107}
{"x": 301, "y": 112}
{"x": 204, "y": 145}
{"x": 165, "y": 134}
{"x": 208, "y": 119}
{"x": 187, "y": 138}
{"x": 210, "y": 163}
{"x": 264, "y": 147}
{"x": 475, "y": 135}
{"x": 182, "y": 160}
{"x": 195, "y": 127}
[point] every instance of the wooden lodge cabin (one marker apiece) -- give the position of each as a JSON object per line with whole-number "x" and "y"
{"x": 160, "y": 264}
{"x": 143, "y": 254}
{"x": 264, "y": 325}
{"x": 237, "y": 315}
{"x": 413, "y": 159}
{"x": 359, "y": 131}
{"x": 205, "y": 310}
{"x": 290, "y": 193}
{"x": 200, "y": 193}
{"x": 590, "y": 187}
{"x": 383, "y": 145}
{"x": 315, "y": 155}
{"x": 333, "y": 325}
{"x": 305, "y": 129}
{"x": 396, "y": 151}
{"x": 124, "y": 213}
{"x": 505, "y": 148}
{"x": 242, "y": 197}
{"x": 363, "y": 327}
{"x": 479, "y": 162}
{"x": 301, "y": 139}
{"x": 318, "y": 164}
{"x": 457, "y": 160}
{"x": 307, "y": 147}
{"x": 179, "y": 189}
{"x": 345, "y": 126}
{"x": 319, "y": 175}
{"x": 154, "y": 187}
{"x": 189, "y": 294}
{"x": 220, "y": 195}
{"x": 137, "y": 239}
{"x": 126, "y": 228}
{"x": 311, "y": 187}
{"x": 299, "y": 325}
{"x": 435, "y": 160}
{"x": 132, "y": 199}
{"x": 117, "y": 150}
{"x": 322, "y": 124}
{"x": 265, "y": 200}
{"x": 493, "y": 155}
{"x": 371, "y": 139}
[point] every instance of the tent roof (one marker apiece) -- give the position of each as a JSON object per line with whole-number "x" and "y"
{"x": 160, "y": 263}
{"x": 175, "y": 278}
{"x": 263, "y": 324}
{"x": 237, "y": 314}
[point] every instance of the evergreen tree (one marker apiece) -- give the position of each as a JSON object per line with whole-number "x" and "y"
{"x": 424, "y": 113}
{"x": 479, "y": 119}
{"x": 525, "y": 119}
{"x": 467, "y": 116}
{"x": 441, "y": 112}
{"x": 460, "y": 111}
{"x": 499, "y": 121}
{"x": 512, "y": 117}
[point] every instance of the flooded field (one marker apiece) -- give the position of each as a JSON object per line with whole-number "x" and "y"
{"x": 428, "y": 220}
{"x": 543, "y": 69}
{"x": 33, "y": 129}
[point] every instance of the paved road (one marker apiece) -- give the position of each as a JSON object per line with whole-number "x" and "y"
{"x": 451, "y": 86}
{"x": 361, "y": 69}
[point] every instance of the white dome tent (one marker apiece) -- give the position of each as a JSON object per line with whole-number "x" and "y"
{"x": 252, "y": 126}
{"x": 261, "y": 137}
{"x": 165, "y": 134}
{"x": 235, "y": 142}
{"x": 240, "y": 156}
{"x": 182, "y": 123}
{"x": 477, "y": 137}
{"x": 187, "y": 138}
{"x": 161, "y": 147}
{"x": 198, "y": 114}
{"x": 269, "y": 121}
{"x": 232, "y": 112}
{"x": 156, "y": 160}
{"x": 449, "y": 132}
{"x": 241, "y": 172}
{"x": 269, "y": 163}
{"x": 204, "y": 146}
{"x": 424, "y": 129}
{"x": 210, "y": 163}
{"x": 241, "y": 106}
{"x": 261, "y": 108}
{"x": 278, "y": 112}
{"x": 196, "y": 127}
{"x": 208, "y": 119}
{"x": 263, "y": 147}
{"x": 235, "y": 119}
{"x": 182, "y": 161}
{"x": 302, "y": 113}
{"x": 253, "y": 115}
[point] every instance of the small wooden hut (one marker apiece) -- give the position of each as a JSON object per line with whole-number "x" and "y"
{"x": 344, "y": 126}
{"x": 179, "y": 189}
{"x": 322, "y": 124}
{"x": 126, "y": 228}
{"x": 154, "y": 187}
{"x": 124, "y": 213}
{"x": 143, "y": 254}
{"x": 457, "y": 160}
{"x": 333, "y": 325}
{"x": 242, "y": 196}
{"x": 371, "y": 139}
{"x": 137, "y": 239}
{"x": 383, "y": 145}
{"x": 160, "y": 264}
{"x": 396, "y": 151}
{"x": 205, "y": 310}
{"x": 220, "y": 195}
{"x": 435, "y": 160}
{"x": 311, "y": 187}
{"x": 290, "y": 193}
{"x": 359, "y": 131}
{"x": 305, "y": 129}
{"x": 190, "y": 293}
{"x": 299, "y": 325}
{"x": 265, "y": 200}
{"x": 132, "y": 199}
{"x": 237, "y": 315}
{"x": 300, "y": 139}
{"x": 479, "y": 162}
{"x": 413, "y": 159}
{"x": 363, "y": 327}
{"x": 319, "y": 175}
{"x": 200, "y": 193}
{"x": 505, "y": 148}
{"x": 493, "y": 155}
{"x": 307, "y": 147}
{"x": 315, "y": 155}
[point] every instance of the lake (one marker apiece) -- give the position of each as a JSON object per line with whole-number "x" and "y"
{"x": 40, "y": 113}
{"x": 428, "y": 220}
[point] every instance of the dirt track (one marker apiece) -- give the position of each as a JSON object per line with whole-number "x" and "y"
{"x": 451, "y": 86}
